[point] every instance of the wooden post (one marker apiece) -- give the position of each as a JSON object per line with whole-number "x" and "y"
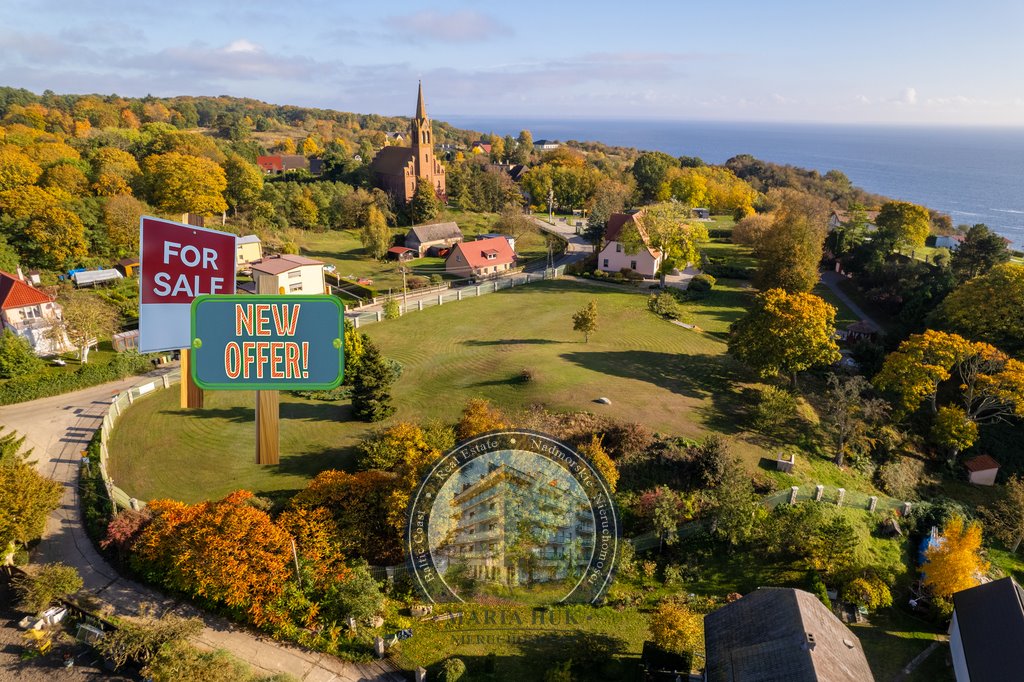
{"x": 191, "y": 394}
{"x": 268, "y": 439}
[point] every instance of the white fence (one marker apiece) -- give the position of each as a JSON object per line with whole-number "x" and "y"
{"x": 456, "y": 294}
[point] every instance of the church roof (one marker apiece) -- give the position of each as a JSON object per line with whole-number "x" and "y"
{"x": 421, "y": 108}
{"x": 392, "y": 160}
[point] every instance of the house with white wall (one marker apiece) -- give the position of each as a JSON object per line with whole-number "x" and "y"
{"x": 615, "y": 256}
{"x": 288, "y": 274}
{"x": 29, "y": 313}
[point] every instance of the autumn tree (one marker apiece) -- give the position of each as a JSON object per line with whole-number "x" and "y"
{"x": 786, "y": 333}
{"x": 666, "y": 508}
{"x": 318, "y": 543}
{"x": 310, "y": 147}
{"x": 403, "y": 450}
{"x": 375, "y": 234}
{"x": 371, "y": 390}
{"x": 1005, "y": 517}
{"x": 584, "y": 320}
{"x": 650, "y": 171}
{"x": 953, "y": 430}
{"x": 668, "y": 230}
{"x": 790, "y": 250}
{"x": 16, "y": 168}
{"x": 954, "y": 563}
{"x": 67, "y": 178}
{"x": 869, "y": 591}
{"x": 121, "y": 215}
{"x": 84, "y": 320}
{"x": 114, "y": 172}
{"x": 849, "y": 413}
{"x": 524, "y": 147}
{"x": 182, "y": 183}
{"x": 425, "y": 204}
{"x": 479, "y": 416}
{"x": 244, "y": 182}
{"x": 26, "y": 497}
{"x": 595, "y": 453}
{"x": 980, "y": 251}
{"x": 989, "y": 307}
{"x": 751, "y": 230}
{"x": 901, "y": 225}
{"x": 676, "y": 628}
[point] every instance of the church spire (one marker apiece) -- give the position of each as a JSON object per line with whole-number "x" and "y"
{"x": 421, "y": 108}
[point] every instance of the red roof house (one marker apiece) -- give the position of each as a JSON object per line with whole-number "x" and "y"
{"x": 270, "y": 164}
{"x": 615, "y": 257}
{"x": 483, "y": 258}
{"x": 28, "y": 312}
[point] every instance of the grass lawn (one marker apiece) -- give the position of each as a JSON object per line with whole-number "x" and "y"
{"x": 672, "y": 379}
{"x": 893, "y": 638}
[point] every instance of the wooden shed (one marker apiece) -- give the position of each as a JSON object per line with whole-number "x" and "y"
{"x": 982, "y": 470}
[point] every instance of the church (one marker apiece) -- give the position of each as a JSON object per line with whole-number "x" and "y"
{"x": 397, "y": 170}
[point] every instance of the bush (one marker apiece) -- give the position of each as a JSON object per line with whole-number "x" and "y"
{"x": 631, "y": 275}
{"x": 36, "y": 591}
{"x": 436, "y": 278}
{"x": 339, "y": 393}
{"x": 51, "y": 383}
{"x": 719, "y": 267}
{"x": 358, "y": 596}
{"x": 700, "y": 286}
{"x": 392, "y": 311}
{"x": 664, "y": 304}
{"x": 719, "y": 233}
{"x": 600, "y": 274}
{"x": 902, "y": 476}
{"x": 452, "y": 670}
{"x": 816, "y": 586}
{"x": 775, "y": 407}
{"x": 16, "y": 356}
{"x": 417, "y": 282}
{"x": 138, "y": 641}
{"x": 673, "y": 576}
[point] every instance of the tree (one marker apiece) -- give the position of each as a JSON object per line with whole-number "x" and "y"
{"x": 375, "y": 234}
{"x": 16, "y": 168}
{"x": 833, "y": 546}
{"x": 56, "y": 237}
{"x": 736, "y": 511}
{"x": 989, "y": 307}
{"x": 901, "y": 225}
{"x": 121, "y": 214}
{"x": 358, "y": 596}
{"x": 790, "y": 250}
{"x": 479, "y": 416}
{"x": 785, "y": 333}
{"x": 310, "y": 147}
{"x": 751, "y": 230}
{"x": 425, "y": 204}
{"x": 371, "y": 390}
{"x": 244, "y": 182}
{"x": 668, "y": 230}
{"x": 1005, "y": 517}
{"x": 595, "y": 454}
{"x": 988, "y": 383}
{"x": 16, "y": 356}
{"x": 524, "y": 147}
{"x": 585, "y": 320}
{"x": 954, "y": 563}
{"x": 183, "y": 183}
{"x": 84, "y": 320}
{"x": 650, "y": 170}
{"x": 868, "y": 591}
{"x": 849, "y": 414}
{"x": 953, "y": 430}
{"x": 114, "y": 172}
{"x": 452, "y": 670}
{"x": 676, "y": 628}
{"x": 666, "y": 508}
{"x": 26, "y": 497}
{"x": 980, "y": 251}
{"x": 37, "y": 590}
{"x": 610, "y": 196}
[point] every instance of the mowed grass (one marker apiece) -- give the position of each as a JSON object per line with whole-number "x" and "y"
{"x": 673, "y": 380}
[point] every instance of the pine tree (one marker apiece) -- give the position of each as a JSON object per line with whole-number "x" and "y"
{"x": 371, "y": 395}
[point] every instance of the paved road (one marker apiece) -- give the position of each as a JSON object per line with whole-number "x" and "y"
{"x": 831, "y": 279}
{"x": 58, "y": 429}
{"x": 577, "y": 247}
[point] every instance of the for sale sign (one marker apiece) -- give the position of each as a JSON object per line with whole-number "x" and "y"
{"x": 177, "y": 263}
{"x": 275, "y": 342}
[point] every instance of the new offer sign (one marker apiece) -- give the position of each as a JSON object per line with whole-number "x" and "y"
{"x": 177, "y": 263}
{"x": 267, "y": 342}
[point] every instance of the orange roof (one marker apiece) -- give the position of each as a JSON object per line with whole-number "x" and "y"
{"x": 981, "y": 463}
{"x": 16, "y": 294}
{"x": 475, "y": 253}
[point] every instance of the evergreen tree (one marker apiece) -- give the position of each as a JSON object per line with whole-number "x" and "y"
{"x": 371, "y": 395}
{"x": 425, "y": 204}
{"x": 16, "y": 356}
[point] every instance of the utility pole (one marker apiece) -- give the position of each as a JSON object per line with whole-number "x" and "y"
{"x": 551, "y": 205}
{"x": 405, "y": 290}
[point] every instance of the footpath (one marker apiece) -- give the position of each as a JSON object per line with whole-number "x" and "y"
{"x": 58, "y": 429}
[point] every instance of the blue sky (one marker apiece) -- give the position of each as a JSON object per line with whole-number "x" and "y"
{"x": 900, "y": 61}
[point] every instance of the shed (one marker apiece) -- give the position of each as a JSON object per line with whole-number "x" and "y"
{"x": 401, "y": 253}
{"x": 128, "y": 266}
{"x": 90, "y": 278}
{"x": 982, "y": 470}
{"x": 128, "y": 340}
{"x": 702, "y": 213}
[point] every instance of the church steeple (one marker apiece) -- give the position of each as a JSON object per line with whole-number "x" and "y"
{"x": 422, "y": 138}
{"x": 421, "y": 108}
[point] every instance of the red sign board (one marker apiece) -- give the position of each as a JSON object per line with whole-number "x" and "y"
{"x": 178, "y": 263}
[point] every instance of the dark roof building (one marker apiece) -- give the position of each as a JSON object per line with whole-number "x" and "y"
{"x": 420, "y": 238}
{"x": 781, "y": 635}
{"x": 986, "y": 637}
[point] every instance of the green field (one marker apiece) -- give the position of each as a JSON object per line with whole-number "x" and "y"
{"x": 672, "y": 379}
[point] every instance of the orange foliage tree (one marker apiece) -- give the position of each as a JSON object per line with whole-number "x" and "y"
{"x": 954, "y": 563}
{"x": 479, "y": 416}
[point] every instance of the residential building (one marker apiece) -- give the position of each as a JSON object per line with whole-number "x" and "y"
{"x": 982, "y": 470}
{"x": 426, "y": 238}
{"x": 614, "y": 256}
{"x": 490, "y": 235}
{"x": 480, "y": 147}
{"x": 481, "y": 259}
{"x": 513, "y": 526}
{"x": 287, "y": 274}
{"x": 398, "y": 170}
{"x": 781, "y": 635}
{"x": 545, "y": 145}
{"x": 277, "y": 164}
{"x": 270, "y": 165}
{"x": 29, "y": 313}
{"x": 842, "y": 218}
{"x": 946, "y": 241}
{"x": 986, "y": 635}
{"x": 248, "y": 250}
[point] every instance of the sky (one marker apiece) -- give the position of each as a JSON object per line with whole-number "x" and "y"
{"x": 906, "y": 62}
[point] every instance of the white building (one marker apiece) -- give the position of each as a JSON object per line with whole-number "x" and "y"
{"x": 288, "y": 274}
{"x": 615, "y": 256}
{"x": 29, "y": 313}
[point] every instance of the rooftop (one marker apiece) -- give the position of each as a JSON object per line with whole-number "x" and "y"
{"x": 475, "y": 253}
{"x": 275, "y": 265}
{"x": 435, "y": 232}
{"x": 990, "y": 618}
{"x": 981, "y": 463}
{"x": 16, "y": 294}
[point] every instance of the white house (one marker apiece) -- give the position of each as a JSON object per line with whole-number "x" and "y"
{"x": 986, "y": 636}
{"x": 288, "y": 274}
{"x": 614, "y": 256}
{"x": 29, "y": 313}
{"x": 482, "y": 258}
{"x": 842, "y": 218}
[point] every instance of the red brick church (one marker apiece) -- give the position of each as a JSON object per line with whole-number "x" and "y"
{"x": 397, "y": 170}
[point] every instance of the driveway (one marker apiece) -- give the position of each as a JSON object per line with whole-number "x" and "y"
{"x": 58, "y": 429}
{"x": 831, "y": 279}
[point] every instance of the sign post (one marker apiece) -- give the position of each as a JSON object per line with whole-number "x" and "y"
{"x": 267, "y": 344}
{"x": 177, "y": 263}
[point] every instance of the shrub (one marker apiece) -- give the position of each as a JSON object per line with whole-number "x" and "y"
{"x": 673, "y": 576}
{"x": 817, "y": 587}
{"x": 902, "y": 476}
{"x": 16, "y": 356}
{"x": 649, "y": 569}
{"x": 358, "y": 596}
{"x": 479, "y": 416}
{"x": 664, "y": 304}
{"x": 720, "y": 267}
{"x": 417, "y": 282}
{"x": 36, "y": 591}
{"x": 138, "y": 641}
{"x": 700, "y": 285}
{"x": 676, "y": 628}
{"x": 452, "y": 670}
{"x": 631, "y": 275}
{"x": 710, "y": 458}
{"x": 775, "y": 407}
{"x": 600, "y": 274}
{"x": 392, "y": 310}
{"x": 46, "y": 384}
{"x": 436, "y": 278}
{"x": 527, "y": 375}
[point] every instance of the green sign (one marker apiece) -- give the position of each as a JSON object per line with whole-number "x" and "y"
{"x": 269, "y": 343}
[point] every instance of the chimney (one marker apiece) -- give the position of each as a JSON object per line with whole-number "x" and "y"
{"x": 21, "y": 276}
{"x": 809, "y": 641}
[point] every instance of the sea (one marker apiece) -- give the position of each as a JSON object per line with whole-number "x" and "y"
{"x": 976, "y": 175}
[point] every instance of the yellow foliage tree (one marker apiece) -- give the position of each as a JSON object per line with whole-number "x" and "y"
{"x": 16, "y": 168}
{"x": 595, "y": 453}
{"x": 479, "y": 416}
{"x": 954, "y": 563}
{"x": 182, "y": 183}
{"x": 310, "y": 147}
{"x": 676, "y": 628}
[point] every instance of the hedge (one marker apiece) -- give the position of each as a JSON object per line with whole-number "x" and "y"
{"x": 97, "y": 508}
{"x": 726, "y": 270}
{"x": 720, "y": 233}
{"x": 51, "y": 383}
{"x": 353, "y": 287}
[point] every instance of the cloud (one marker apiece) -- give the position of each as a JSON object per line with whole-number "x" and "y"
{"x": 909, "y": 96}
{"x": 462, "y": 26}
{"x": 240, "y": 59}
